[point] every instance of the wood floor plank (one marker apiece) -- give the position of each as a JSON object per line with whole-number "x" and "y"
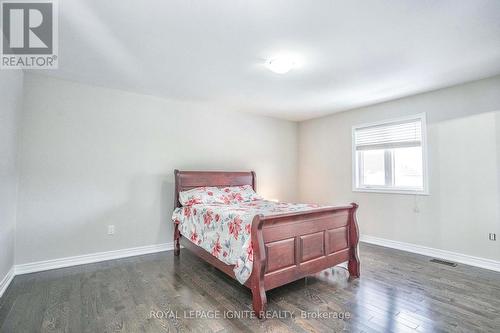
{"x": 397, "y": 292}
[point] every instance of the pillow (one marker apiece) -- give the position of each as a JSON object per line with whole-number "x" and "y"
{"x": 200, "y": 195}
{"x": 236, "y": 194}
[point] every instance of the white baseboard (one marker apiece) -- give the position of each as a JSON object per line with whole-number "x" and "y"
{"x": 6, "y": 280}
{"x": 435, "y": 253}
{"x": 136, "y": 251}
{"x": 90, "y": 258}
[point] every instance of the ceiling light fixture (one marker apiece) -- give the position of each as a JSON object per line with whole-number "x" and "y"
{"x": 281, "y": 64}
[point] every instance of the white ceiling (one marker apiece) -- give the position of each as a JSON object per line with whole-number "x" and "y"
{"x": 351, "y": 53}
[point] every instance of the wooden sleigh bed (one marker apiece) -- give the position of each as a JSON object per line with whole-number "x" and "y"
{"x": 288, "y": 246}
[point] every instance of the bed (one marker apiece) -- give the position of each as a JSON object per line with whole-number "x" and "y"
{"x": 286, "y": 245}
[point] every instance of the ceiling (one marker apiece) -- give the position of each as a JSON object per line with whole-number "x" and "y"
{"x": 350, "y": 53}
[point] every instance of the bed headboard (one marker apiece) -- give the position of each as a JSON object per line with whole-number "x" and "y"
{"x": 185, "y": 180}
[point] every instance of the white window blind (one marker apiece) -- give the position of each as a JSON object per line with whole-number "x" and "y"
{"x": 392, "y": 135}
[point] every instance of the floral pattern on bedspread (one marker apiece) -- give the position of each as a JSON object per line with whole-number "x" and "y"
{"x": 224, "y": 230}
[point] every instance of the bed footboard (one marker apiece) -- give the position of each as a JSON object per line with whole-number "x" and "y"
{"x": 288, "y": 247}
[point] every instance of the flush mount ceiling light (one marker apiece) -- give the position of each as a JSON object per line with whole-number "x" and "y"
{"x": 281, "y": 64}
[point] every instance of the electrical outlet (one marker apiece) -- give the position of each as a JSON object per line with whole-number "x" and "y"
{"x": 111, "y": 229}
{"x": 492, "y": 236}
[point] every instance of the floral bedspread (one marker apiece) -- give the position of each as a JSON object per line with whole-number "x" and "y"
{"x": 224, "y": 229}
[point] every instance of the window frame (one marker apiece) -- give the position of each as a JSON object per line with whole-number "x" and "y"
{"x": 392, "y": 189}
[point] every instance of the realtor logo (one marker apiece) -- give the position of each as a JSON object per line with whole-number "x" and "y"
{"x": 29, "y": 34}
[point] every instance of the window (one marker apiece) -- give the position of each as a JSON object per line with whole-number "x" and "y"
{"x": 390, "y": 156}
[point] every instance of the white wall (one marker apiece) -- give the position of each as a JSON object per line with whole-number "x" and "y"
{"x": 91, "y": 157}
{"x": 10, "y": 105}
{"x": 464, "y": 159}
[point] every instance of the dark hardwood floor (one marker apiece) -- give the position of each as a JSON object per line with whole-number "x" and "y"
{"x": 397, "y": 292}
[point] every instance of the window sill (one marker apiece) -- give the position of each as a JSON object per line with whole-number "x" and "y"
{"x": 391, "y": 191}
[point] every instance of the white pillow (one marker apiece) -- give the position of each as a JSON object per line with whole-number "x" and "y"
{"x": 200, "y": 195}
{"x": 237, "y": 194}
